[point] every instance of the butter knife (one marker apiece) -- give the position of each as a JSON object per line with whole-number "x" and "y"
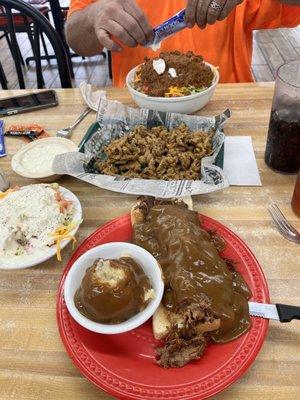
{"x": 280, "y": 312}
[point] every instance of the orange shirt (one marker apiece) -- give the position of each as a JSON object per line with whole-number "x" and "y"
{"x": 226, "y": 44}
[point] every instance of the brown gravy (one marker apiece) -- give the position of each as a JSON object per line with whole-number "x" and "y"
{"x": 192, "y": 267}
{"x": 114, "y": 296}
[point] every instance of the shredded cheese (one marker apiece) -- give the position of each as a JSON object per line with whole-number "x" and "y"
{"x": 4, "y": 194}
{"x": 8, "y": 191}
{"x": 175, "y": 91}
{"x": 62, "y": 233}
{"x": 137, "y": 77}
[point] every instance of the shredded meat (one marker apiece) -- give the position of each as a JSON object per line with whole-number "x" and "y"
{"x": 190, "y": 69}
{"x": 230, "y": 264}
{"x": 186, "y": 344}
{"x": 155, "y": 153}
{"x": 145, "y": 203}
{"x": 181, "y": 347}
{"x": 217, "y": 240}
{"x": 197, "y": 312}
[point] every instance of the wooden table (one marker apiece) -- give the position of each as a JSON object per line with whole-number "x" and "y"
{"x": 33, "y": 362}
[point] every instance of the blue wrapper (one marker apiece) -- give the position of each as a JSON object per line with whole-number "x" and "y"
{"x": 2, "y": 145}
{"x": 168, "y": 28}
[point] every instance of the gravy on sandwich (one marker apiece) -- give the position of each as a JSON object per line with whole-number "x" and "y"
{"x": 199, "y": 284}
{"x": 112, "y": 291}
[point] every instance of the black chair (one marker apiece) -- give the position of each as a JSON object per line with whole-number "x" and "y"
{"x": 109, "y": 64}
{"x": 39, "y": 24}
{"x": 64, "y": 13}
{"x": 22, "y": 24}
{"x": 58, "y": 20}
{"x": 3, "y": 79}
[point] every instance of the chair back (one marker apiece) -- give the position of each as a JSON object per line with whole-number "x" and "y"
{"x": 39, "y": 24}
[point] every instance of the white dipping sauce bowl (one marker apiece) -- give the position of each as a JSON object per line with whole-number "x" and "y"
{"x": 35, "y": 159}
{"x": 114, "y": 250}
{"x": 183, "y": 105}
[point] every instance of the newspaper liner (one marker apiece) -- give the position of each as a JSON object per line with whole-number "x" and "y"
{"x": 115, "y": 119}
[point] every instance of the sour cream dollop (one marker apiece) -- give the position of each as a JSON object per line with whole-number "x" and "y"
{"x": 159, "y": 66}
{"x": 172, "y": 72}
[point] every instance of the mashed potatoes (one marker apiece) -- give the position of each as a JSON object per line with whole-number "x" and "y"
{"x": 112, "y": 291}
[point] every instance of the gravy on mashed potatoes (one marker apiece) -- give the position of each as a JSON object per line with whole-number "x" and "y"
{"x": 112, "y": 291}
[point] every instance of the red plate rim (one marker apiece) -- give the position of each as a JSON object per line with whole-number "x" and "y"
{"x": 257, "y": 339}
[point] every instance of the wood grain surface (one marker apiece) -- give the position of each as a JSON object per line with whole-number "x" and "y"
{"x": 33, "y": 362}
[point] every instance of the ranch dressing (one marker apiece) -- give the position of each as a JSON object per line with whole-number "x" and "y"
{"x": 39, "y": 158}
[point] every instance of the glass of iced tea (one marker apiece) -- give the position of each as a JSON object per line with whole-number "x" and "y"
{"x": 283, "y": 143}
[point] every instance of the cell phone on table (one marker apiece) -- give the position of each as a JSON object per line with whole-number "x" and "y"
{"x": 28, "y": 102}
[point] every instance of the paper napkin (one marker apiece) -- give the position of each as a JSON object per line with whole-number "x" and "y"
{"x": 239, "y": 161}
{"x": 91, "y": 97}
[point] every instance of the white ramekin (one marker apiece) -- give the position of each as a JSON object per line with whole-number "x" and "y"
{"x": 114, "y": 250}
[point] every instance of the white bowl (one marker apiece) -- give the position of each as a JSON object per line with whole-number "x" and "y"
{"x": 113, "y": 251}
{"x": 184, "y": 104}
{"x": 33, "y": 170}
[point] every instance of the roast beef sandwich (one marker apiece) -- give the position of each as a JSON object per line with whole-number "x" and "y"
{"x": 205, "y": 298}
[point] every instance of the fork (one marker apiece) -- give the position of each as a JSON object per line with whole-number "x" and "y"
{"x": 66, "y": 132}
{"x": 282, "y": 224}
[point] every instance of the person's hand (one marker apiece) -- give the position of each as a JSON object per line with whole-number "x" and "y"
{"x": 202, "y": 12}
{"x": 122, "y": 19}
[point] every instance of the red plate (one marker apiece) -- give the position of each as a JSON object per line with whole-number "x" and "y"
{"x": 124, "y": 365}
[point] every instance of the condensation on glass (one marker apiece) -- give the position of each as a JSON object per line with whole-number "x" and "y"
{"x": 283, "y": 142}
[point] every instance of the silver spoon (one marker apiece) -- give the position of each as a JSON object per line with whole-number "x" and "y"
{"x": 66, "y": 132}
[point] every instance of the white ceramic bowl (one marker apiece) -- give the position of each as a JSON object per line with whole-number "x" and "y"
{"x": 184, "y": 104}
{"x": 41, "y": 174}
{"x": 113, "y": 251}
